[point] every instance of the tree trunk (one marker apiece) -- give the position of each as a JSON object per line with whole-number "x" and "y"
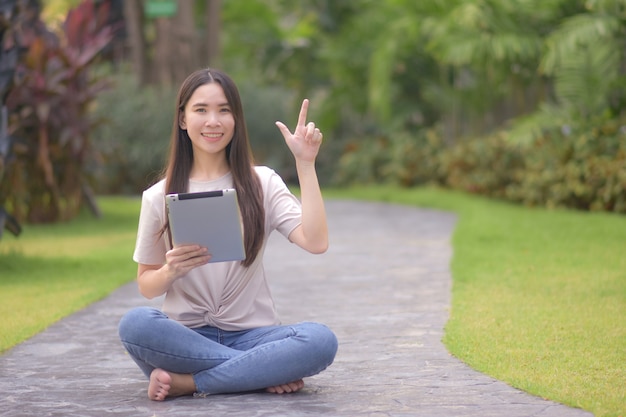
{"x": 133, "y": 16}
{"x": 163, "y": 52}
{"x": 184, "y": 52}
{"x": 213, "y": 27}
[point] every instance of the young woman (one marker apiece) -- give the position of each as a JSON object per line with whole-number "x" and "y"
{"x": 218, "y": 331}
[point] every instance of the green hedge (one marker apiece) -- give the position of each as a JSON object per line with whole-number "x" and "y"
{"x": 584, "y": 170}
{"x": 134, "y": 137}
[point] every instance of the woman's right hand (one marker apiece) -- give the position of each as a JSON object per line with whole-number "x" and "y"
{"x": 156, "y": 280}
{"x": 182, "y": 259}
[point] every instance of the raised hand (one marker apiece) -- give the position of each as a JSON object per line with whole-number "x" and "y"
{"x": 304, "y": 143}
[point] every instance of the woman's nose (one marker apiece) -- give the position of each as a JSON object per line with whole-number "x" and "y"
{"x": 212, "y": 119}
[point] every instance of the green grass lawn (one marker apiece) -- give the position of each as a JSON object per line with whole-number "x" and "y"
{"x": 539, "y": 297}
{"x": 51, "y": 271}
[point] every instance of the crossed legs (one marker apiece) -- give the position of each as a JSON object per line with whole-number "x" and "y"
{"x": 183, "y": 361}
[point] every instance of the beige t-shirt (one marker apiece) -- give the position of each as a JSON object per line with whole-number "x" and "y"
{"x": 222, "y": 294}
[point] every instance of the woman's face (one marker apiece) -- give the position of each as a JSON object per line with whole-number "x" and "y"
{"x": 208, "y": 120}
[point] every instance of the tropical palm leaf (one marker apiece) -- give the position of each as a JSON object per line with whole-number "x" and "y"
{"x": 584, "y": 79}
{"x": 584, "y": 56}
{"x": 576, "y": 32}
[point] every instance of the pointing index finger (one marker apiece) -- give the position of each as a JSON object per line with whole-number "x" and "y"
{"x": 303, "y": 112}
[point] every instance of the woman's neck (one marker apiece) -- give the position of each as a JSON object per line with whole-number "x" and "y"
{"x": 207, "y": 169}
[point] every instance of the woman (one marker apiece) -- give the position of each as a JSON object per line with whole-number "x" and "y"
{"x": 218, "y": 331}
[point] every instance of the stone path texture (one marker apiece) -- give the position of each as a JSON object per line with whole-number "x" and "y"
{"x": 383, "y": 287}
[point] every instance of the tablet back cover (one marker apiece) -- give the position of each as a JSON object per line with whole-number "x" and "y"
{"x": 211, "y": 219}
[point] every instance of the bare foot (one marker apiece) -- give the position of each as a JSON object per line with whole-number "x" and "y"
{"x": 165, "y": 384}
{"x": 159, "y": 387}
{"x": 286, "y": 388}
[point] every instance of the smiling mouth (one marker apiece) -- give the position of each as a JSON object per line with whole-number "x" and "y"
{"x": 212, "y": 135}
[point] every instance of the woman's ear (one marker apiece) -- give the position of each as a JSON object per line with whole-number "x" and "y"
{"x": 181, "y": 121}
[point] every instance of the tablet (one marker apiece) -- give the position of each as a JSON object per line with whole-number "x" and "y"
{"x": 211, "y": 219}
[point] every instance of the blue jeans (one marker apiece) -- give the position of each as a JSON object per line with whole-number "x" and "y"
{"x": 227, "y": 361}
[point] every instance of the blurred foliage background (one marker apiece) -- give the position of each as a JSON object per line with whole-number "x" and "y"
{"x": 518, "y": 100}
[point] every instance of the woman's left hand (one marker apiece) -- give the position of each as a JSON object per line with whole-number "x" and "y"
{"x": 306, "y": 139}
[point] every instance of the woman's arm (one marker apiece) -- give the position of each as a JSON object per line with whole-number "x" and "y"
{"x": 312, "y": 234}
{"x": 156, "y": 280}
{"x": 304, "y": 143}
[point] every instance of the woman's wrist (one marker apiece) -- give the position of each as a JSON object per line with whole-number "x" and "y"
{"x": 168, "y": 274}
{"x": 305, "y": 165}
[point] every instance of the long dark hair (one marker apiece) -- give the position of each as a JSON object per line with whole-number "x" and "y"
{"x": 238, "y": 155}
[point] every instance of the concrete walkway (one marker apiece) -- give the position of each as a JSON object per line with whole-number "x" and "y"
{"x": 384, "y": 287}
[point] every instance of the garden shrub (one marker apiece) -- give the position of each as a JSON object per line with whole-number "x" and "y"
{"x": 584, "y": 169}
{"x": 402, "y": 159}
{"x": 416, "y": 160}
{"x": 364, "y": 161}
{"x": 134, "y": 138}
{"x": 482, "y": 166}
{"x": 49, "y": 117}
{"x": 263, "y": 106}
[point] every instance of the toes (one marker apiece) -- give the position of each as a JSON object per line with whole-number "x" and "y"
{"x": 159, "y": 386}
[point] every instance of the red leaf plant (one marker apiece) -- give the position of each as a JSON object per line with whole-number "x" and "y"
{"x": 50, "y": 115}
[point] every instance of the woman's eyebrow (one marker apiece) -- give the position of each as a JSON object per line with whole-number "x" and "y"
{"x": 203, "y": 104}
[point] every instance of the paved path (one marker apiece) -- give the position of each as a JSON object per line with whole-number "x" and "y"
{"x": 384, "y": 287}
